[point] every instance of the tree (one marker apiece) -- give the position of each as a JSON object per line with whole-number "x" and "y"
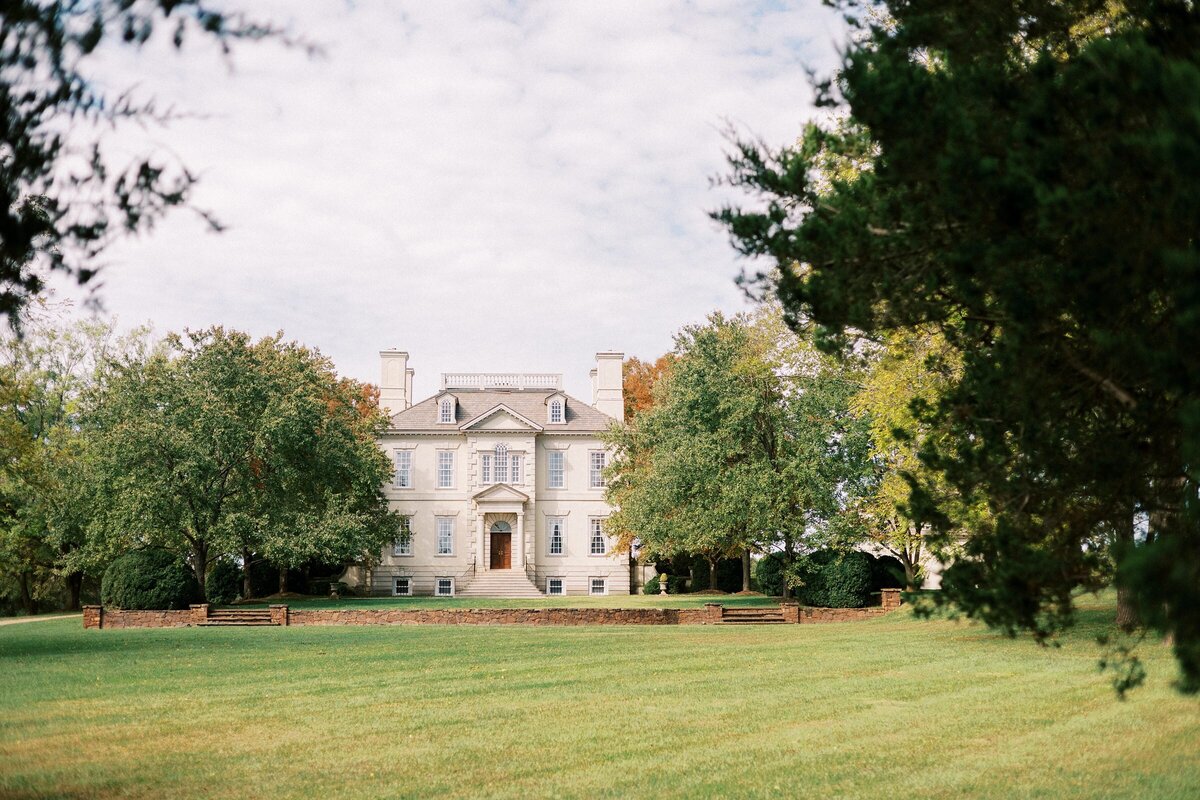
{"x": 739, "y": 450}
{"x": 909, "y": 372}
{"x": 1029, "y": 198}
{"x": 62, "y": 200}
{"x": 640, "y": 377}
{"x": 46, "y": 374}
{"x": 225, "y": 446}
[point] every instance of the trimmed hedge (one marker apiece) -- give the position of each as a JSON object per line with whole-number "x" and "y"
{"x": 834, "y": 580}
{"x": 768, "y": 574}
{"x": 224, "y": 582}
{"x": 149, "y": 579}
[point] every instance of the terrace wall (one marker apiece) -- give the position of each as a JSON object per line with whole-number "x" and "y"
{"x": 711, "y": 613}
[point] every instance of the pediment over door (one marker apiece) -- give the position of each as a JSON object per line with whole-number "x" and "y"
{"x": 500, "y": 493}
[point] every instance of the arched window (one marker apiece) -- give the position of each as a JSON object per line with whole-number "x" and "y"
{"x": 556, "y": 410}
{"x": 501, "y": 527}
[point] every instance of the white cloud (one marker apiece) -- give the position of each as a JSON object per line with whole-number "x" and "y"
{"x": 487, "y": 185}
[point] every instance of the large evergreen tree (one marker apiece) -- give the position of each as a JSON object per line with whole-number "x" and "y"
{"x": 1029, "y": 193}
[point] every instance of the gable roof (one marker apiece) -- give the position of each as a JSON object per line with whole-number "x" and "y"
{"x": 500, "y": 409}
{"x": 530, "y": 404}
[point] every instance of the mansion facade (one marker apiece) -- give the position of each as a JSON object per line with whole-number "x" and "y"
{"x": 499, "y": 482}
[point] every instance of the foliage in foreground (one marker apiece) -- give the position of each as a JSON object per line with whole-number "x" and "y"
{"x": 64, "y": 198}
{"x": 1027, "y": 193}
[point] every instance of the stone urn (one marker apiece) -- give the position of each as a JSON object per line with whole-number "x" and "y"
{"x": 663, "y": 580}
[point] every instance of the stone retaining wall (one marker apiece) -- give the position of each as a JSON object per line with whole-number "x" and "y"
{"x": 711, "y": 613}
{"x": 506, "y": 616}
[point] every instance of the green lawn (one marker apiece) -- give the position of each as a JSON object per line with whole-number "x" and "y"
{"x": 888, "y": 708}
{"x": 581, "y": 601}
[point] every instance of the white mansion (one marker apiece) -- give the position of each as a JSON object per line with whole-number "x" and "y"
{"x": 499, "y": 482}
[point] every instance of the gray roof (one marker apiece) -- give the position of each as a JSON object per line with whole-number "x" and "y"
{"x": 528, "y": 403}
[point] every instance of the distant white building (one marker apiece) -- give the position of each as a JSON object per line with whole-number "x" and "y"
{"x": 499, "y": 479}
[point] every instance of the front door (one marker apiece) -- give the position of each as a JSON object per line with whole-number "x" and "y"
{"x": 501, "y": 550}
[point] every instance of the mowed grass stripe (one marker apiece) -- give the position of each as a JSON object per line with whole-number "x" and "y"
{"x": 892, "y": 706}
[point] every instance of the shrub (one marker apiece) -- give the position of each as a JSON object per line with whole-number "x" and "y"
{"x": 887, "y": 573}
{"x": 676, "y": 584}
{"x": 834, "y": 580}
{"x": 224, "y": 583}
{"x": 768, "y": 574}
{"x": 149, "y": 579}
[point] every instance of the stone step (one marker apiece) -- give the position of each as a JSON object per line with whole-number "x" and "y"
{"x": 229, "y": 623}
{"x": 500, "y": 583}
{"x": 751, "y": 616}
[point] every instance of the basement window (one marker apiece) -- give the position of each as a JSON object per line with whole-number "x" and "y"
{"x": 555, "y": 586}
{"x": 445, "y": 587}
{"x": 402, "y": 587}
{"x": 598, "y": 586}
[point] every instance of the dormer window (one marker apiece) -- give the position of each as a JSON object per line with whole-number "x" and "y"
{"x": 556, "y": 408}
{"x": 446, "y": 410}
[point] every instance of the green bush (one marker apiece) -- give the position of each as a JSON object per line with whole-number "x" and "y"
{"x": 834, "y": 580}
{"x": 729, "y": 575}
{"x": 768, "y": 574}
{"x": 149, "y": 579}
{"x": 675, "y": 585}
{"x": 224, "y": 583}
{"x": 887, "y": 573}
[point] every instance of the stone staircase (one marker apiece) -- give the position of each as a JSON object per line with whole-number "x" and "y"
{"x": 500, "y": 583}
{"x": 751, "y": 616}
{"x": 239, "y": 617}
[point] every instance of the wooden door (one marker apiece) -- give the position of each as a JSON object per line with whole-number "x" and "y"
{"x": 501, "y": 551}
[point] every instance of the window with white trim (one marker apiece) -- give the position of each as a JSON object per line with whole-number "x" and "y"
{"x": 598, "y": 586}
{"x": 500, "y": 465}
{"x": 445, "y": 469}
{"x": 401, "y": 587}
{"x": 445, "y": 536}
{"x": 555, "y": 586}
{"x": 486, "y": 468}
{"x": 515, "y": 469}
{"x": 596, "y": 473}
{"x": 596, "y": 544}
{"x": 403, "y": 462}
{"x": 556, "y": 469}
{"x": 556, "y": 528}
{"x": 556, "y": 411}
{"x": 446, "y": 410}
{"x": 444, "y": 587}
{"x": 403, "y": 544}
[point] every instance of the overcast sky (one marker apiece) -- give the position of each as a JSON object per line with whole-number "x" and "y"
{"x": 488, "y": 185}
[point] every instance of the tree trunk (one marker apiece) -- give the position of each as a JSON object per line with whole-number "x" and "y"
{"x": 200, "y": 566}
{"x": 712, "y": 573}
{"x": 1127, "y": 615}
{"x": 29, "y": 605}
{"x": 74, "y": 589}
{"x": 910, "y": 575}
{"x": 283, "y": 579}
{"x": 746, "y": 571}
{"x": 247, "y": 584}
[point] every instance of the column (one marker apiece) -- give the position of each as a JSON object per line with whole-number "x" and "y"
{"x": 521, "y": 535}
